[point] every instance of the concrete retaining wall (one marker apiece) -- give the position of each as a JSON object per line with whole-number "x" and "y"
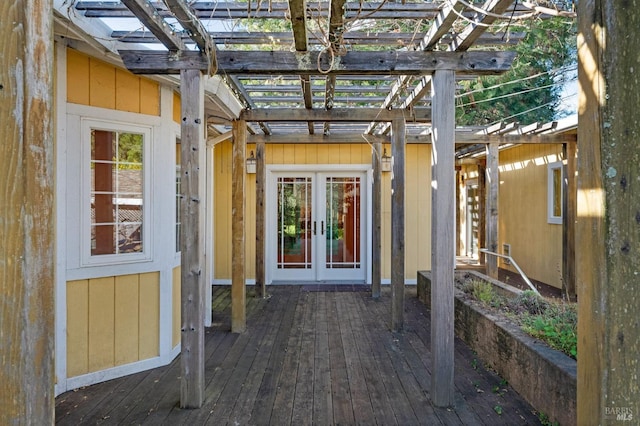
{"x": 545, "y": 377}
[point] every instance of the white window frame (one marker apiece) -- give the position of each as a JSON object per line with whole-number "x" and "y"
{"x": 87, "y": 125}
{"x": 551, "y": 217}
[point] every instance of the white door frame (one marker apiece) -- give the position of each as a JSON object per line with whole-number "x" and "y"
{"x": 270, "y": 205}
{"x": 468, "y": 234}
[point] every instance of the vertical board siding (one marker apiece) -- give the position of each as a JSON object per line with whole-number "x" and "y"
{"x": 101, "y": 323}
{"x": 112, "y": 321}
{"x": 102, "y": 84}
{"x": 417, "y": 203}
{"x": 149, "y": 316}
{"x": 78, "y": 74}
{"x": 535, "y": 244}
{"x": 93, "y": 82}
{"x": 128, "y": 85}
{"x": 126, "y": 318}
{"x": 177, "y": 107}
{"x": 77, "y": 327}
{"x": 176, "y": 306}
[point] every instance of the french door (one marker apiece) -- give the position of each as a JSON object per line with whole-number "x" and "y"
{"x": 318, "y": 226}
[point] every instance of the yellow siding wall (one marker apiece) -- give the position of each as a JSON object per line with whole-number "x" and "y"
{"x": 417, "y": 204}
{"x": 93, "y": 82}
{"x": 176, "y": 107}
{"x": 112, "y": 321}
{"x": 535, "y": 244}
{"x": 177, "y": 304}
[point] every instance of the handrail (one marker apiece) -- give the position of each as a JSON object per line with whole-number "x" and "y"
{"x": 520, "y": 271}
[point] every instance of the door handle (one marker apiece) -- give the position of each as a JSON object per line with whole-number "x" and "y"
{"x": 322, "y": 227}
{"x": 314, "y": 227}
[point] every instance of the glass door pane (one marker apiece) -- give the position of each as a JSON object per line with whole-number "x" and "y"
{"x": 342, "y": 219}
{"x": 294, "y": 223}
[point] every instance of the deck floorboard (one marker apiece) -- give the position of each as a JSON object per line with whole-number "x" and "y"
{"x": 311, "y": 355}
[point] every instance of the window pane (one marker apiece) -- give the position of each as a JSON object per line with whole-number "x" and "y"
{"x": 557, "y": 192}
{"x": 294, "y": 223}
{"x": 117, "y": 183}
{"x": 343, "y": 223}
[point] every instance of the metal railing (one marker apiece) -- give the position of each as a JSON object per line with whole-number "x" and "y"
{"x": 515, "y": 265}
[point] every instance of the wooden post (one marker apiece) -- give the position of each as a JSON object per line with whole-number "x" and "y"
{"x": 27, "y": 214}
{"x": 569, "y": 216}
{"x": 491, "y": 209}
{"x": 482, "y": 219}
{"x": 261, "y": 176}
{"x": 442, "y": 237}
{"x": 192, "y": 150}
{"x": 376, "y": 226}
{"x": 608, "y": 229}
{"x": 238, "y": 288}
{"x": 398, "y": 149}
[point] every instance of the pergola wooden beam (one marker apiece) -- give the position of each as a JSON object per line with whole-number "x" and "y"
{"x": 190, "y": 22}
{"x": 462, "y": 138}
{"x": 352, "y": 63}
{"x": 461, "y": 43}
{"x": 442, "y": 24}
{"x": 422, "y": 115}
{"x": 297, "y": 9}
{"x": 148, "y": 15}
{"x": 335, "y": 31}
{"x": 351, "y": 37}
{"x": 280, "y": 10}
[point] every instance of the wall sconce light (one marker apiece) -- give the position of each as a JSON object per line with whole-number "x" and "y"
{"x": 251, "y": 163}
{"x": 385, "y": 162}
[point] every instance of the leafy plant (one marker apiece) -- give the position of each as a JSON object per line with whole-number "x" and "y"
{"x": 483, "y": 292}
{"x": 557, "y": 326}
{"x": 544, "y": 420}
{"x": 498, "y": 409}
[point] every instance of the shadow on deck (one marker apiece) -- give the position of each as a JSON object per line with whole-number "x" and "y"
{"x": 308, "y": 357}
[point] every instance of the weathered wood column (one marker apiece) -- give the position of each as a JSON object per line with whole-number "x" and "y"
{"x": 398, "y": 149}
{"x": 569, "y": 206}
{"x": 442, "y": 236}
{"x": 238, "y": 288}
{"x": 261, "y": 176}
{"x": 491, "y": 208}
{"x": 27, "y": 222}
{"x": 376, "y": 226}
{"x": 192, "y": 151}
{"x": 608, "y": 230}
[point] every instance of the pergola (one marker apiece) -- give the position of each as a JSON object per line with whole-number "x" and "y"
{"x": 341, "y": 79}
{"x": 336, "y": 76}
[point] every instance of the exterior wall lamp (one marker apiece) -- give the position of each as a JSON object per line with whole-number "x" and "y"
{"x": 385, "y": 162}
{"x": 251, "y": 163}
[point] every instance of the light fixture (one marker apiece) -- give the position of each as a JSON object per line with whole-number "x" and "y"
{"x": 385, "y": 162}
{"x": 251, "y": 163}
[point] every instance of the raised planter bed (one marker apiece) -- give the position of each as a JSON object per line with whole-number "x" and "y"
{"x": 545, "y": 377}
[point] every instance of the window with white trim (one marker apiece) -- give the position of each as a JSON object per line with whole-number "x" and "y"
{"x": 554, "y": 192}
{"x": 117, "y": 194}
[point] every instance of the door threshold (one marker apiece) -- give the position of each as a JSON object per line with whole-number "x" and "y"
{"x": 320, "y": 283}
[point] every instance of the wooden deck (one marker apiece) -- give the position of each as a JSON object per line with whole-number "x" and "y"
{"x": 308, "y": 357}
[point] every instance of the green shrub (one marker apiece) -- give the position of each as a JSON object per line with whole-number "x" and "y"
{"x": 484, "y": 292}
{"x": 529, "y": 302}
{"x": 557, "y": 326}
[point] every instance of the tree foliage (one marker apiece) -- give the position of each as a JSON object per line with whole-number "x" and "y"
{"x": 531, "y": 90}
